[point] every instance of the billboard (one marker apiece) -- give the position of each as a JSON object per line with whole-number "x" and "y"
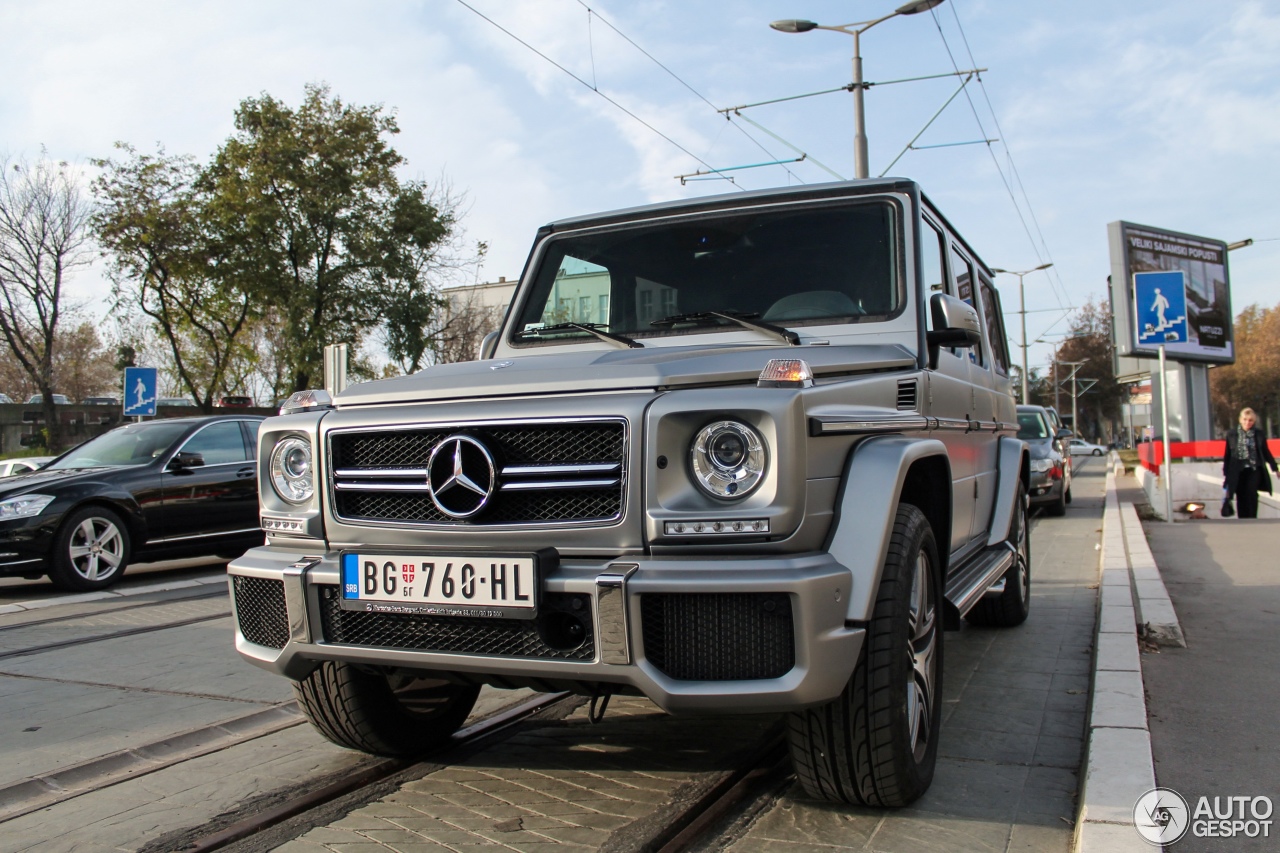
{"x": 1172, "y": 289}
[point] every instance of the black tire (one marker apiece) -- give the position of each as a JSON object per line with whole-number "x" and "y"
{"x": 1097, "y": 452}
{"x": 1068, "y": 495}
{"x": 90, "y": 550}
{"x": 876, "y": 744}
{"x": 402, "y": 714}
{"x": 1059, "y": 506}
{"x": 1012, "y": 606}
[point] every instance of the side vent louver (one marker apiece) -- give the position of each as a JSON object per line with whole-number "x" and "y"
{"x": 907, "y": 395}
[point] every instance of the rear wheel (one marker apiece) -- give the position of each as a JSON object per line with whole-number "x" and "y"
{"x": 401, "y": 713}
{"x": 876, "y": 744}
{"x": 1010, "y": 607}
{"x": 90, "y": 551}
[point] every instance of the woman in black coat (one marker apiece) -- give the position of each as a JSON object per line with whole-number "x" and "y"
{"x": 1245, "y": 465}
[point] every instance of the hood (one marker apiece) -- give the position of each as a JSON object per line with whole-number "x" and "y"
{"x": 1041, "y": 448}
{"x": 33, "y": 481}
{"x": 594, "y": 370}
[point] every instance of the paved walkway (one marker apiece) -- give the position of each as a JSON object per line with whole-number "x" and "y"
{"x": 1212, "y": 707}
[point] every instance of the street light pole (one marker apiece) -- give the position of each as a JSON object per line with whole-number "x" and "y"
{"x": 1022, "y": 311}
{"x": 860, "y": 166}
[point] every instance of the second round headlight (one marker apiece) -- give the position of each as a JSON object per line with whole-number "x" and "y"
{"x": 728, "y": 459}
{"x": 291, "y": 470}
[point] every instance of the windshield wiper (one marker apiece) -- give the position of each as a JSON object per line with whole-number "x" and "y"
{"x": 747, "y": 321}
{"x": 589, "y": 328}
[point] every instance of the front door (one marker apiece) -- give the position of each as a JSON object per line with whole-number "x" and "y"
{"x": 217, "y": 498}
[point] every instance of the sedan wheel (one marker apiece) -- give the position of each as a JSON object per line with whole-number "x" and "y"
{"x": 91, "y": 550}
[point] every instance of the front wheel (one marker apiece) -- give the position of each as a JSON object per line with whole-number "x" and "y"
{"x": 876, "y": 744}
{"x": 90, "y": 551}
{"x": 398, "y": 713}
{"x": 1097, "y": 452}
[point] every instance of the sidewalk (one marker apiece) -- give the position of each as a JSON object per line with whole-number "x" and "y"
{"x": 1212, "y": 706}
{"x": 1207, "y": 673}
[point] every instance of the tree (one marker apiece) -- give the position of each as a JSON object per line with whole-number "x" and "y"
{"x": 1090, "y": 342}
{"x": 169, "y": 258}
{"x": 44, "y": 234}
{"x": 82, "y": 366}
{"x": 1254, "y": 380}
{"x": 338, "y": 242}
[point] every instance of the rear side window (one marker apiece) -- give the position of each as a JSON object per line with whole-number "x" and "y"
{"x": 995, "y": 327}
{"x": 962, "y": 272}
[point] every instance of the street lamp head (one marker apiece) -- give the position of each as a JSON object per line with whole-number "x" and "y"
{"x": 916, "y": 6}
{"x": 794, "y": 26}
{"x": 1043, "y": 267}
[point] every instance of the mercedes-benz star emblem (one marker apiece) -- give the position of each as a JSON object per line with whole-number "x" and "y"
{"x": 461, "y": 476}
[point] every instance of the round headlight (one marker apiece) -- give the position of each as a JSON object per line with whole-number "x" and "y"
{"x": 728, "y": 459}
{"x": 291, "y": 474}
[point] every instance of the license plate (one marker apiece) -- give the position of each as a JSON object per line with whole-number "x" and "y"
{"x": 490, "y": 585}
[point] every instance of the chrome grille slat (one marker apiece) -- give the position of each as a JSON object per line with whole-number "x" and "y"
{"x": 550, "y": 472}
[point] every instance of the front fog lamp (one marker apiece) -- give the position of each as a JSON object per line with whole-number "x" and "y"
{"x": 291, "y": 470}
{"x": 728, "y": 459}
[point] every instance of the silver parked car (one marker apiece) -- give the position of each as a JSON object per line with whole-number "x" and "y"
{"x": 739, "y": 454}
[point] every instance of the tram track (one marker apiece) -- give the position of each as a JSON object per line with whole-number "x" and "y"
{"x": 698, "y": 808}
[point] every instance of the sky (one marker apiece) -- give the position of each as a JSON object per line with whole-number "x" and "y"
{"x": 1160, "y": 113}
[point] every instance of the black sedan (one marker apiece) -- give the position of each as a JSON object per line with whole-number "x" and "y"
{"x": 160, "y": 489}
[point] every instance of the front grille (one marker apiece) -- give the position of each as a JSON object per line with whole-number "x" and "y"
{"x": 546, "y": 472}
{"x": 261, "y": 611}
{"x": 562, "y": 630}
{"x": 718, "y": 637}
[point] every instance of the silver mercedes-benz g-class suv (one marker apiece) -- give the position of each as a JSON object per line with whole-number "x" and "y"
{"x": 747, "y": 453}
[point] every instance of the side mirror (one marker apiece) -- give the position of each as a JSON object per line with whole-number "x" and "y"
{"x": 1065, "y": 435}
{"x": 186, "y": 459}
{"x": 489, "y": 345}
{"x": 955, "y": 324}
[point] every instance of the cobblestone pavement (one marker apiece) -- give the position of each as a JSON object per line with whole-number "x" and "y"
{"x": 564, "y": 785}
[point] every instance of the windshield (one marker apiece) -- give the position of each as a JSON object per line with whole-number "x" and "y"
{"x": 134, "y": 444}
{"x": 1031, "y": 425}
{"x": 819, "y": 265}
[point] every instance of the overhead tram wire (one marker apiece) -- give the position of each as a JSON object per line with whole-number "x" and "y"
{"x": 682, "y": 82}
{"x": 1058, "y": 292}
{"x": 589, "y": 86}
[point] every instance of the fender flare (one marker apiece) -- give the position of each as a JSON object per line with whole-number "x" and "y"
{"x": 868, "y": 505}
{"x": 1015, "y": 467}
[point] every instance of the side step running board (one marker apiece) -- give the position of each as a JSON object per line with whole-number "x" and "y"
{"x": 966, "y": 587}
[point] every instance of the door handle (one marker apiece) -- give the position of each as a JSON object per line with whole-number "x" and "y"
{"x": 244, "y": 473}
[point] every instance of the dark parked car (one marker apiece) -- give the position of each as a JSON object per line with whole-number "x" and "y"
{"x": 233, "y": 402}
{"x": 159, "y": 489}
{"x": 100, "y": 401}
{"x": 1050, "y": 462}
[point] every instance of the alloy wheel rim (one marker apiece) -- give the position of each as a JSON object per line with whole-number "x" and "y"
{"x": 922, "y": 647}
{"x": 96, "y": 549}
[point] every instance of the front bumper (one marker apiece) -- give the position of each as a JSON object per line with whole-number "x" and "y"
{"x": 731, "y": 606}
{"x": 26, "y": 544}
{"x": 1044, "y": 489}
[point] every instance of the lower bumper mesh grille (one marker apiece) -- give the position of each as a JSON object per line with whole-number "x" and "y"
{"x": 261, "y": 611}
{"x": 563, "y": 620}
{"x": 719, "y": 637}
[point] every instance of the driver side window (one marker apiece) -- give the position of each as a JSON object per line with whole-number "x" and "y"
{"x": 219, "y": 444}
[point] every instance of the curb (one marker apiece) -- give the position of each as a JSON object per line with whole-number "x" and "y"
{"x": 1157, "y": 620}
{"x": 1118, "y": 767}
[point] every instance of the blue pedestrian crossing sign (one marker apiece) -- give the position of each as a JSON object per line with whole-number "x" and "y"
{"x": 139, "y": 391}
{"x": 1160, "y": 307}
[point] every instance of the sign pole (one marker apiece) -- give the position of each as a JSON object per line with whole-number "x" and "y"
{"x": 1167, "y": 466}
